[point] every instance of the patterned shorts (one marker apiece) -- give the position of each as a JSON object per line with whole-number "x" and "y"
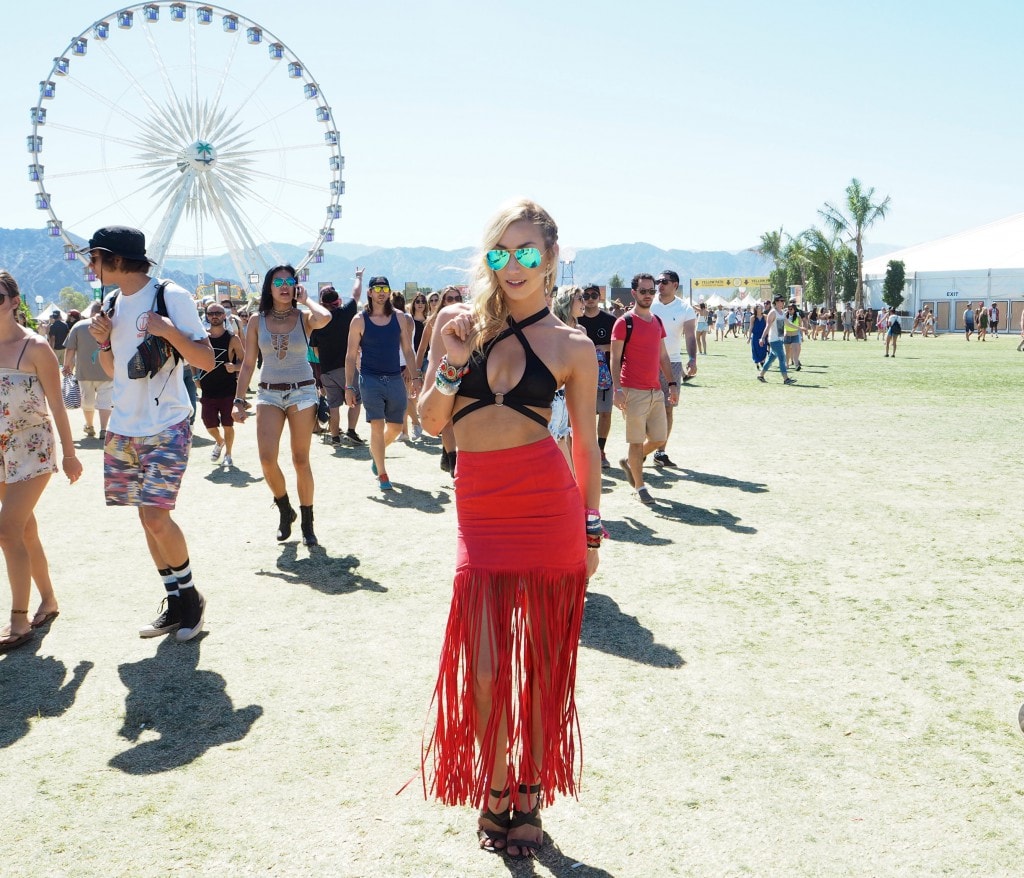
{"x": 25, "y": 454}
{"x": 146, "y": 470}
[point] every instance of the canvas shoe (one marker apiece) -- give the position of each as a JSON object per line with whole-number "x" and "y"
{"x": 417, "y": 432}
{"x": 169, "y": 619}
{"x": 643, "y": 495}
{"x": 385, "y": 482}
{"x": 228, "y": 461}
{"x": 624, "y": 463}
{"x": 193, "y": 611}
{"x": 215, "y": 454}
{"x": 354, "y": 437}
{"x": 662, "y": 459}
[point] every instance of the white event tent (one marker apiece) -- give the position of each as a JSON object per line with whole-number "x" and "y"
{"x": 983, "y": 264}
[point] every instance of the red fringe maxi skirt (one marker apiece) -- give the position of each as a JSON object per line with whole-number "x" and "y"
{"x": 520, "y": 583}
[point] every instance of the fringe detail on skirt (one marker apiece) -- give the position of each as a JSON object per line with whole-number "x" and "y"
{"x": 531, "y": 621}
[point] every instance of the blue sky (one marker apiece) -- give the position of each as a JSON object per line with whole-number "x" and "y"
{"x": 686, "y": 125}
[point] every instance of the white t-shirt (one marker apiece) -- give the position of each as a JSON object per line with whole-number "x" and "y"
{"x": 776, "y": 325}
{"x": 673, "y": 317}
{"x": 147, "y": 406}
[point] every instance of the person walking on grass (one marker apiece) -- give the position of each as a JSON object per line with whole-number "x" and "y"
{"x": 638, "y": 355}
{"x": 149, "y": 436}
{"x": 893, "y": 331}
{"x": 332, "y": 343}
{"x": 286, "y": 392}
{"x": 29, "y": 383}
{"x": 598, "y": 323}
{"x": 773, "y": 335}
{"x": 375, "y": 339}
{"x": 968, "y": 321}
{"x": 679, "y": 321}
{"x": 219, "y": 385}
{"x": 81, "y": 359}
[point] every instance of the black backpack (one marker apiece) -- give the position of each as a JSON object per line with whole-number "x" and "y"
{"x": 160, "y": 308}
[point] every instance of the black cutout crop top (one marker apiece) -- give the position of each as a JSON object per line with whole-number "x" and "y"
{"x": 536, "y": 388}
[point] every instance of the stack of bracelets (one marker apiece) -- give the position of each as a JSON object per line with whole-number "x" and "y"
{"x": 449, "y": 377}
{"x": 595, "y": 530}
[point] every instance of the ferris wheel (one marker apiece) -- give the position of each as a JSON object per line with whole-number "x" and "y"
{"x": 196, "y": 125}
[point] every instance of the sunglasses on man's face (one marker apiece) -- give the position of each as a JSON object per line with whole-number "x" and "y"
{"x": 214, "y": 313}
{"x": 380, "y": 289}
{"x": 591, "y": 297}
{"x": 528, "y": 257}
{"x": 284, "y": 281}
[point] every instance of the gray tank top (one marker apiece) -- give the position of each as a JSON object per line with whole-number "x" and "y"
{"x": 285, "y": 354}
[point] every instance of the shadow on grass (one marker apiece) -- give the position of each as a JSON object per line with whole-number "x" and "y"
{"x": 320, "y": 571}
{"x": 716, "y": 481}
{"x": 607, "y": 629}
{"x": 630, "y": 530}
{"x": 406, "y": 497}
{"x": 699, "y": 517}
{"x": 189, "y": 709}
{"x": 554, "y": 861}
{"x": 33, "y": 686}
{"x": 232, "y": 475}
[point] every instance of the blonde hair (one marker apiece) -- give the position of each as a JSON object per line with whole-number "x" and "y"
{"x": 562, "y": 306}
{"x": 490, "y": 314}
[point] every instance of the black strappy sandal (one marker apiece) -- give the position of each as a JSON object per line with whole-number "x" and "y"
{"x": 526, "y": 846}
{"x": 489, "y": 838}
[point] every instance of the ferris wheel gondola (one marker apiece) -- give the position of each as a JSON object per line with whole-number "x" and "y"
{"x": 196, "y": 125}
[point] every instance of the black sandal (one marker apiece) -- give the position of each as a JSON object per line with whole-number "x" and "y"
{"x": 502, "y": 819}
{"x": 527, "y": 818}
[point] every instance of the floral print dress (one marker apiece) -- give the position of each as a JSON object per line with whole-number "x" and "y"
{"x": 26, "y": 435}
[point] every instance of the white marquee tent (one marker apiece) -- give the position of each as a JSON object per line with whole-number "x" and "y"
{"x": 983, "y": 264}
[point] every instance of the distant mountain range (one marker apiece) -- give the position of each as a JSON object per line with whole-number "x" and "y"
{"x": 36, "y": 261}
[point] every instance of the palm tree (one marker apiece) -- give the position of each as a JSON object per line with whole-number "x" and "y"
{"x": 825, "y": 253}
{"x": 771, "y": 248}
{"x": 860, "y": 214}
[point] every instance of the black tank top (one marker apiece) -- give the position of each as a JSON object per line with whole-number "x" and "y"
{"x": 219, "y": 383}
{"x": 536, "y": 388}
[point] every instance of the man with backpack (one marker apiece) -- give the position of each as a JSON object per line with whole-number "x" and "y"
{"x": 639, "y": 359}
{"x": 146, "y": 332}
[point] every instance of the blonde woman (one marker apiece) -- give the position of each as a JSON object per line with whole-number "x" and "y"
{"x": 507, "y": 736}
{"x": 29, "y": 383}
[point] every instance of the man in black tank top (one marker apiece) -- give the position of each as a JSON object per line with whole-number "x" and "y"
{"x": 218, "y": 385}
{"x": 598, "y": 323}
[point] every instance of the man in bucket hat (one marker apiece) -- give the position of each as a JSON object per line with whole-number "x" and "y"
{"x": 148, "y": 436}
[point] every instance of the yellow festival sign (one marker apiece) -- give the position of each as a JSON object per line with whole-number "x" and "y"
{"x": 720, "y": 282}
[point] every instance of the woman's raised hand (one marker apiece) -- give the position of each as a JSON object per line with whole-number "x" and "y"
{"x": 455, "y": 335}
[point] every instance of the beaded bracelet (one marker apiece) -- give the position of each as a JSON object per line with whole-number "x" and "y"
{"x": 449, "y": 372}
{"x": 595, "y": 530}
{"x": 449, "y": 378}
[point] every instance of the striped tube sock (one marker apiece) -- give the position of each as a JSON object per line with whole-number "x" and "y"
{"x": 170, "y": 581}
{"x": 183, "y": 575}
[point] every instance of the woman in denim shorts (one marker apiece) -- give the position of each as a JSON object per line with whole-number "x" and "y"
{"x": 286, "y": 390}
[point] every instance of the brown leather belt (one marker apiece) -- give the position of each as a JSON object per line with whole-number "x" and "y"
{"x": 263, "y": 385}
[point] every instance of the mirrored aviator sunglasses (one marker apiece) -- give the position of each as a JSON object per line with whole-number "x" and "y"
{"x": 528, "y": 257}
{"x": 281, "y": 281}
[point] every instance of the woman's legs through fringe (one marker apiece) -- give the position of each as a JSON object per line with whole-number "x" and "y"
{"x": 505, "y": 709}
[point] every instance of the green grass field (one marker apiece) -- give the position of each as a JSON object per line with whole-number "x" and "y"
{"x": 804, "y": 660}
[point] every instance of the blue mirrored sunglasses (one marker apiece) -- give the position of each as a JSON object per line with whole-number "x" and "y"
{"x": 528, "y": 257}
{"x": 281, "y": 281}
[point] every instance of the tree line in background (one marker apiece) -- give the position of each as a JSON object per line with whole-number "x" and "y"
{"x": 829, "y": 263}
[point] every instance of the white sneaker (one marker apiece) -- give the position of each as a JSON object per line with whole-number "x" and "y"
{"x": 215, "y": 454}
{"x": 228, "y": 461}
{"x": 417, "y": 432}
